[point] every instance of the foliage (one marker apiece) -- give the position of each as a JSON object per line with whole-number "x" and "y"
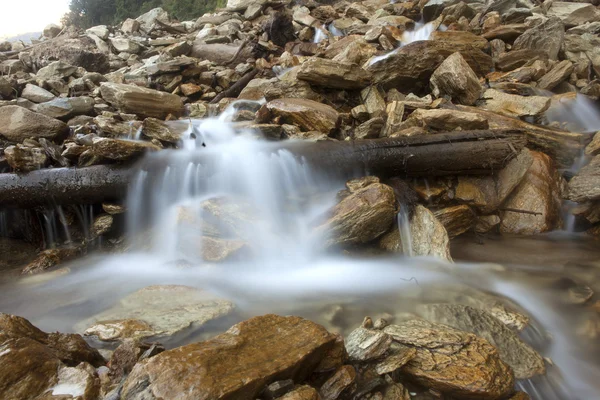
{"x": 87, "y": 13}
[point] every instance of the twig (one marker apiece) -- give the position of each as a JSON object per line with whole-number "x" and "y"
{"x": 516, "y": 210}
{"x": 237, "y": 87}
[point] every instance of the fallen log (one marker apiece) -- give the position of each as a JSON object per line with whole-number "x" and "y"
{"x": 456, "y": 153}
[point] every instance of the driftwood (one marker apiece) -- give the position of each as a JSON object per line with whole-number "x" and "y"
{"x": 237, "y": 87}
{"x": 457, "y": 153}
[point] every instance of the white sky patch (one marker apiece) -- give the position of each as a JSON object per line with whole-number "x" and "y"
{"x": 24, "y": 16}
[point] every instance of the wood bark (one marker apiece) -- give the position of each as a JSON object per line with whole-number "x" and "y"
{"x": 455, "y": 153}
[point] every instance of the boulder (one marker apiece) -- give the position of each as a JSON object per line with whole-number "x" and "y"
{"x": 36, "y": 94}
{"x": 456, "y": 219}
{"x": 539, "y": 195}
{"x": 18, "y": 123}
{"x": 236, "y": 364}
{"x": 130, "y": 26}
{"x": 141, "y": 101}
{"x": 573, "y": 14}
{"x": 524, "y": 360}
{"x": 78, "y": 51}
{"x": 309, "y": 115}
{"x": 157, "y": 129}
{"x": 547, "y": 37}
{"x": 56, "y": 70}
{"x": 148, "y": 20}
{"x": 456, "y": 363}
{"x": 66, "y": 108}
{"x": 125, "y": 45}
{"x": 513, "y": 105}
{"x": 333, "y": 74}
{"x": 25, "y": 158}
{"x": 585, "y": 185}
{"x": 362, "y": 216}
{"x": 444, "y": 120}
{"x": 51, "y": 31}
{"x": 456, "y": 79}
{"x": 156, "y": 311}
{"x": 556, "y": 75}
{"x": 100, "y": 31}
{"x": 121, "y": 149}
{"x": 365, "y": 344}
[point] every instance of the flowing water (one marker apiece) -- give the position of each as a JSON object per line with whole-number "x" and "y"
{"x": 270, "y": 200}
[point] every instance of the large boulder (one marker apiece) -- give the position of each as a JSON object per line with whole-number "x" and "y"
{"x": 148, "y": 20}
{"x": 141, "y": 101}
{"x": 456, "y": 79}
{"x": 453, "y": 362}
{"x": 79, "y": 51}
{"x": 309, "y": 115}
{"x": 333, "y": 74}
{"x": 547, "y": 37}
{"x": 236, "y": 364}
{"x": 18, "y": 123}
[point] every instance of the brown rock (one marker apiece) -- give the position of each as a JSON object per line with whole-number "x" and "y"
{"x": 593, "y": 148}
{"x": 373, "y": 99}
{"x": 456, "y": 363}
{"x": 538, "y": 193}
{"x": 67, "y": 107}
{"x": 49, "y": 258}
{"x": 340, "y": 383}
{"x": 444, "y": 120}
{"x": 286, "y": 87}
{"x": 120, "y": 149}
{"x": 456, "y": 219}
{"x": 585, "y": 185}
{"x": 513, "y": 105}
{"x": 236, "y": 364}
{"x": 460, "y": 39}
{"x": 357, "y": 52}
{"x": 307, "y": 114}
{"x": 157, "y": 129}
{"x": 18, "y": 123}
{"x": 365, "y": 344}
{"x": 141, "y": 101}
{"x": 302, "y": 393}
{"x": 556, "y": 75}
{"x": 25, "y": 158}
{"x": 190, "y": 89}
{"x": 507, "y": 33}
{"x": 573, "y": 14}
{"x": 333, "y": 74}
{"x": 511, "y": 60}
{"x": 547, "y": 37}
{"x": 397, "y": 358}
{"x": 456, "y": 79}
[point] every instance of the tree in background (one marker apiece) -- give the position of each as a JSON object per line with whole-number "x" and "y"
{"x": 86, "y": 13}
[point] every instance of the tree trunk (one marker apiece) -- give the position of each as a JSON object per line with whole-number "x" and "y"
{"x": 457, "y": 153}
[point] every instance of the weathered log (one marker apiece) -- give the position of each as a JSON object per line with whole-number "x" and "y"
{"x": 237, "y": 87}
{"x": 456, "y": 153}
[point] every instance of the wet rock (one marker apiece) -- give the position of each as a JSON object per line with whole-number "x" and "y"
{"x": 456, "y": 363}
{"x": 18, "y": 123}
{"x": 36, "y": 94}
{"x": 539, "y": 194}
{"x": 365, "y": 344}
{"x": 49, "y": 258}
{"x": 121, "y": 149}
{"x": 66, "y": 108}
{"x": 585, "y": 185}
{"x": 25, "y": 158}
{"x": 362, "y": 216}
{"x": 488, "y": 193}
{"x": 124, "y": 358}
{"x": 547, "y": 37}
{"x": 456, "y": 79}
{"x": 513, "y": 105}
{"x": 333, "y": 74}
{"x": 593, "y": 148}
{"x": 339, "y": 384}
{"x": 81, "y": 382}
{"x": 141, "y": 101}
{"x": 456, "y": 219}
{"x": 77, "y": 51}
{"x": 218, "y": 250}
{"x": 102, "y": 224}
{"x": 157, "y": 129}
{"x": 156, "y": 311}
{"x": 556, "y": 75}
{"x": 238, "y": 363}
{"x": 444, "y": 120}
{"x": 573, "y": 14}
{"x": 486, "y": 223}
{"x": 307, "y": 114}
{"x": 523, "y": 359}
{"x": 302, "y": 393}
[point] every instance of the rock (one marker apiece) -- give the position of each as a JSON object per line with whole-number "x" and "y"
{"x": 456, "y": 219}
{"x": 130, "y": 26}
{"x": 141, "y": 101}
{"x": 488, "y": 193}
{"x": 585, "y": 185}
{"x": 156, "y": 311}
{"x": 364, "y": 215}
{"x": 81, "y": 382}
{"x": 340, "y": 383}
{"x": 556, "y": 75}
{"x": 124, "y": 358}
{"x": 6, "y": 88}
{"x": 395, "y": 114}
{"x": 220, "y": 53}
{"x": 36, "y": 94}
{"x": 148, "y": 19}
{"x": 333, "y": 74}
{"x": 18, "y": 123}
{"x": 78, "y": 51}
{"x": 593, "y": 148}
{"x": 51, "y": 31}
{"x": 218, "y": 250}
{"x": 366, "y": 345}
{"x": 511, "y": 60}
{"x": 513, "y": 105}
{"x": 157, "y": 129}
{"x": 395, "y": 391}
{"x": 309, "y": 115}
{"x": 121, "y": 149}
{"x": 238, "y": 363}
{"x": 456, "y": 79}
{"x": 573, "y": 14}
{"x": 56, "y": 70}
{"x": 302, "y": 393}
{"x": 125, "y": 45}
{"x": 25, "y": 158}
{"x": 100, "y": 30}
{"x": 370, "y": 129}
{"x": 357, "y": 52}
{"x": 397, "y": 358}
{"x": 49, "y": 258}
{"x": 453, "y": 362}
{"x": 102, "y": 224}
{"x": 278, "y": 389}
{"x": 547, "y": 37}
{"x": 460, "y": 39}
{"x": 275, "y": 88}
{"x": 539, "y": 193}
{"x": 444, "y": 120}
{"x": 67, "y": 107}
{"x": 10, "y": 67}
{"x": 524, "y": 360}
{"x": 486, "y": 223}
{"x": 410, "y": 67}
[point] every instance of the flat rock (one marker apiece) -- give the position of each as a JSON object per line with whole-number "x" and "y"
{"x": 556, "y": 75}
{"x": 524, "y": 360}
{"x": 36, "y": 94}
{"x": 67, "y": 107}
{"x": 125, "y": 45}
{"x": 333, "y": 74}
{"x": 365, "y": 344}
{"x": 585, "y": 185}
{"x": 513, "y": 105}
{"x": 444, "y": 120}
{"x": 456, "y": 79}
{"x": 156, "y": 311}
{"x": 547, "y": 37}
{"x": 121, "y": 149}
{"x": 573, "y": 14}
{"x": 18, "y": 123}
{"x": 309, "y": 115}
{"x": 236, "y": 364}
{"x": 141, "y": 101}
{"x": 454, "y": 362}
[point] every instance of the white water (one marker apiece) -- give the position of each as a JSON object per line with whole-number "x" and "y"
{"x": 320, "y": 34}
{"x": 420, "y": 32}
{"x": 578, "y": 114}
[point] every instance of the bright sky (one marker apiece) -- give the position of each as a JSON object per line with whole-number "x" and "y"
{"x": 23, "y": 16}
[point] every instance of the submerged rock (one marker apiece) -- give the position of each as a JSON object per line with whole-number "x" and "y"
{"x": 236, "y": 364}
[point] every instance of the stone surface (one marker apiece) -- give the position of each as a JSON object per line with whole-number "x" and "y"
{"x": 25, "y": 158}
{"x": 78, "y": 51}
{"x": 547, "y": 37}
{"x": 556, "y": 75}
{"x": 307, "y": 114}
{"x": 18, "y": 123}
{"x": 339, "y": 384}
{"x": 157, "y": 129}
{"x": 586, "y": 184}
{"x": 36, "y": 94}
{"x": 453, "y": 362}
{"x": 141, "y": 101}
{"x": 49, "y": 258}
{"x": 66, "y": 108}
{"x": 121, "y": 149}
{"x": 236, "y": 364}
{"x": 456, "y": 219}
{"x": 444, "y": 120}
{"x": 302, "y": 393}
{"x": 156, "y": 311}
{"x": 333, "y": 74}
{"x": 456, "y": 79}
{"x": 513, "y": 105}
{"x": 125, "y": 45}
{"x": 573, "y": 14}
{"x": 364, "y": 344}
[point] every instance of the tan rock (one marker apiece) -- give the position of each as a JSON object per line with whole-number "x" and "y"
{"x": 18, "y": 123}
{"x": 486, "y": 223}
{"x": 357, "y": 52}
{"x": 302, "y": 393}
{"x": 459, "y": 39}
{"x": 513, "y": 105}
{"x": 585, "y": 185}
{"x": 454, "y": 362}
{"x": 456, "y": 79}
{"x": 593, "y": 148}
{"x": 539, "y": 194}
{"x": 141, "y": 101}
{"x": 157, "y": 129}
{"x": 547, "y": 37}
{"x": 120, "y": 149}
{"x": 556, "y": 75}
{"x": 339, "y": 384}
{"x": 373, "y": 99}
{"x": 456, "y": 219}
{"x": 307, "y": 114}
{"x": 365, "y": 344}
{"x": 25, "y": 158}
{"x": 333, "y": 74}
{"x": 238, "y": 363}
{"x": 286, "y": 87}
{"x": 444, "y": 120}
{"x": 49, "y": 258}
{"x": 395, "y": 114}
{"x": 573, "y": 14}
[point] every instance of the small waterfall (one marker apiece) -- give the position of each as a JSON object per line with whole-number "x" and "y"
{"x": 55, "y": 227}
{"x": 335, "y": 31}
{"x": 421, "y": 32}
{"x": 320, "y": 34}
{"x": 575, "y": 113}
{"x": 404, "y": 230}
